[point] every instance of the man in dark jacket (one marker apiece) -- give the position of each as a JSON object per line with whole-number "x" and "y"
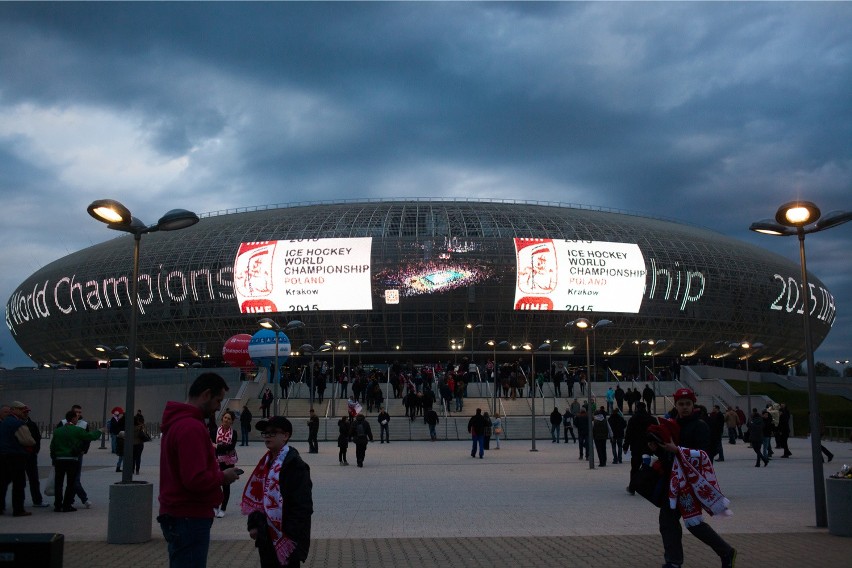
{"x": 32, "y": 465}
{"x": 555, "y": 423}
{"x": 282, "y": 538}
{"x": 361, "y": 434}
{"x": 384, "y": 429}
{"x": 476, "y": 427}
{"x": 581, "y": 422}
{"x": 634, "y": 440}
{"x": 694, "y": 434}
{"x": 649, "y": 398}
{"x": 15, "y": 445}
{"x": 313, "y": 432}
{"x": 783, "y": 433}
{"x": 716, "y": 421}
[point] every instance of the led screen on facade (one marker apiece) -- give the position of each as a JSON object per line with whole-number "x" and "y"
{"x": 579, "y": 276}
{"x": 303, "y": 275}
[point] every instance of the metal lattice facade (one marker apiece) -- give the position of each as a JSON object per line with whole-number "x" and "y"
{"x": 747, "y": 293}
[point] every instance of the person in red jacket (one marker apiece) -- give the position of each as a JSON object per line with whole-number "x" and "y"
{"x": 190, "y": 478}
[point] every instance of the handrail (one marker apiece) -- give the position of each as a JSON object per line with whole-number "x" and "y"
{"x": 617, "y": 380}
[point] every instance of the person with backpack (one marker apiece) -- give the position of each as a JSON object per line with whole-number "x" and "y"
{"x": 361, "y": 435}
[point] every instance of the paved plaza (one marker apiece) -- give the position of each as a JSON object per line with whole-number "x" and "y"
{"x": 430, "y": 504}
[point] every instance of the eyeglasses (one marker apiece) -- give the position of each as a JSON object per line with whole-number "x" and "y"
{"x": 269, "y": 434}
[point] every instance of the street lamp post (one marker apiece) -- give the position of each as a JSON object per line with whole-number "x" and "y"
{"x": 119, "y": 218}
{"x": 329, "y": 345}
{"x": 494, "y": 344}
{"x": 472, "y": 328}
{"x": 748, "y": 348}
{"x": 349, "y": 327}
{"x": 801, "y": 218}
{"x": 269, "y": 323}
{"x": 107, "y": 349}
{"x": 586, "y": 326}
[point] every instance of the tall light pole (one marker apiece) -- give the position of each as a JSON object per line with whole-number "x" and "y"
{"x": 493, "y": 343}
{"x": 585, "y": 325}
{"x": 749, "y": 349}
{"x": 349, "y": 327}
{"x": 269, "y": 323}
{"x": 107, "y": 349}
{"x": 329, "y": 345}
{"x": 801, "y": 218}
{"x": 118, "y": 217}
{"x": 472, "y": 328}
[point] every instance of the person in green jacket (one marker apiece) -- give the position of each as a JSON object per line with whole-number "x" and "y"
{"x": 65, "y": 448}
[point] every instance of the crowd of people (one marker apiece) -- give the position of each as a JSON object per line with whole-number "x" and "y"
{"x": 199, "y": 461}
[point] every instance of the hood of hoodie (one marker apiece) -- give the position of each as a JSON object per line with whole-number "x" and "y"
{"x": 600, "y": 417}
{"x": 176, "y": 411}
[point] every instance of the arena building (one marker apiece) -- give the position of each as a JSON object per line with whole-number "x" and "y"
{"x": 412, "y": 274}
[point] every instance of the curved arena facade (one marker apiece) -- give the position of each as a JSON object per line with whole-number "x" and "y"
{"x": 412, "y": 274}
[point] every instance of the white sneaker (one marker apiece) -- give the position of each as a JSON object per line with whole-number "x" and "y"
{"x": 220, "y": 513}
{"x": 215, "y": 511}
{"x": 87, "y": 504}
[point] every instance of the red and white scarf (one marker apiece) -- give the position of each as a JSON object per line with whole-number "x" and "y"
{"x": 693, "y": 487}
{"x": 263, "y": 493}
{"x": 226, "y": 436}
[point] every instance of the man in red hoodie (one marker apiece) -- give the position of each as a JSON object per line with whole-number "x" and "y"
{"x": 190, "y": 478}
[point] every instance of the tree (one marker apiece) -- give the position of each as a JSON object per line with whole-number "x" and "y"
{"x": 823, "y": 370}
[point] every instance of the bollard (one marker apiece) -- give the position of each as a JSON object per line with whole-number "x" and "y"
{"x": 130, "y": 512}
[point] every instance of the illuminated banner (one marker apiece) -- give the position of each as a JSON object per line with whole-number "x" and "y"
{"x": 302, "y": 275}
{"x": 578, "y": 276}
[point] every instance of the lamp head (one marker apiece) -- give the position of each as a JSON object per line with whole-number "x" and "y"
{"x": 176, "y": 219}
{"x": 797, "y": 214}
{"x": 770, "y": 227}
{"x": 581, "y": 323}
{"x": 268, "y": 323}
{"x": 110, "y": 212}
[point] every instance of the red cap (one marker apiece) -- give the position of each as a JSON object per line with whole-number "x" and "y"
{"x": 684, "y": 393}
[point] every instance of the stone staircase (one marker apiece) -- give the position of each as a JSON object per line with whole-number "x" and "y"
{"x": 516, "y": 414}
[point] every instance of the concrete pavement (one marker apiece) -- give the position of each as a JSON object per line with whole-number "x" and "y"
{"x": 422, "y": 503}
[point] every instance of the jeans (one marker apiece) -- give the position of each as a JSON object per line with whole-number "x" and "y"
{"x": 32, "y": 478}
{"x": 188, "y": 540}
{"x": 245, "y": 430}
{"x": 600, "y": 446}
{"x": 478, "y": 439}
{"x": 769, "y": 451}
{"x": 78, "y": 485}
{"x": 13, "y": 471}
{"x": 554, "y": 432}
{"x": 584, "y": 443}
{"x": 617, "y": 444}
{"x": 767, "y": 442}
{"x": 384, "y": 433}
{"x": 672, "y": 534}
{"x": 573, "y": 437}
{"x": 432, "y": 434}
{"x": 66, "y": 471}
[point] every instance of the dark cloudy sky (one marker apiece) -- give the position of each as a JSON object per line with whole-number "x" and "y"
{"x": 713, "y": 114}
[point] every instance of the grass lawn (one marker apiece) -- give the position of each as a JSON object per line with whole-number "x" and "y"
{"x": 835, "y": 410}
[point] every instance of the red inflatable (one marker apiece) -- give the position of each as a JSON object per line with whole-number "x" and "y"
{"x": 236, "y": 353}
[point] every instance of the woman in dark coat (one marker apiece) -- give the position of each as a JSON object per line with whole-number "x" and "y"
{"x": 344, "y": 428}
